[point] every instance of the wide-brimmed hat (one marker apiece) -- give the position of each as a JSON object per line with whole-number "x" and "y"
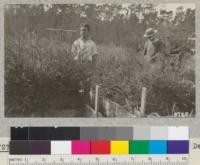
{"x": 150, "y": 32}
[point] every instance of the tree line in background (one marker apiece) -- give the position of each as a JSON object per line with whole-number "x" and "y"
{"x": 116, "y": 24}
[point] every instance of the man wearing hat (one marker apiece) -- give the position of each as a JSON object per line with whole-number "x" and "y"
{"x": 152, "y": 48}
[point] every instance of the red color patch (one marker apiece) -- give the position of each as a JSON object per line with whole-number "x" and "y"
{"x": 100, "y": 147}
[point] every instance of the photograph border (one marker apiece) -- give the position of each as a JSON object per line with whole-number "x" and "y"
{"x": 5, "y": 123}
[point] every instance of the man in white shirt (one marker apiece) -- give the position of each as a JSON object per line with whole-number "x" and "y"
{"x": 85, "y": 53}
{"x": 84, "y": 49}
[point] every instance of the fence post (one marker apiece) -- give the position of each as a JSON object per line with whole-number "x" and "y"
{"x": 116, "y": 110}
{"x": 143, "y": 101}
{"x": 96, "y": 99}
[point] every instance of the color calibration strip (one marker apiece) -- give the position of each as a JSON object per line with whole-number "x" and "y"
{"x": 99, "y": 140}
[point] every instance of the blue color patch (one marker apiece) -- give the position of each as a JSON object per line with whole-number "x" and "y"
{"x": 157, "y": 147}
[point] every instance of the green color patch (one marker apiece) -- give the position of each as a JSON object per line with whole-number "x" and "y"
{"x": 139, "y": 147}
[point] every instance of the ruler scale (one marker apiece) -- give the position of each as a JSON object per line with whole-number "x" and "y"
{"x": 99, "y": 160}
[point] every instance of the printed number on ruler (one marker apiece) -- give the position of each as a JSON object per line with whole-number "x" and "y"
{"x": 4, "y": 147}
{"x": 99, "y": 160}
{"x": 4, "y": 144}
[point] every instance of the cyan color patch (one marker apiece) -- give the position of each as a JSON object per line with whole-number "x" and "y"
{"x": 157, "y": 147}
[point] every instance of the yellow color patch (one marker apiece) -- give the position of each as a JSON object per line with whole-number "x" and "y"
{"x": 119, "y": 147}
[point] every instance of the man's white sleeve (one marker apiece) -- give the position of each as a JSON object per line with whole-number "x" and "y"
{"x": 74, "y": 51}
{"x": 73, "y": 48}
{"x": 95, "y": 52}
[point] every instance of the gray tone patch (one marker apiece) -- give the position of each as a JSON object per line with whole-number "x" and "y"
{"x": 88, "y": 133}
{"x": 141, "y": 133}
{"x": 159, "y": 133}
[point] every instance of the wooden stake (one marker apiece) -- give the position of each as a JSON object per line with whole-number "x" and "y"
{"x": 143, "y": 101}
{"x": 96, "y": 99}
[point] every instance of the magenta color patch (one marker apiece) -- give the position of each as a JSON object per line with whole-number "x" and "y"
{"x": 80, "y": 147}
